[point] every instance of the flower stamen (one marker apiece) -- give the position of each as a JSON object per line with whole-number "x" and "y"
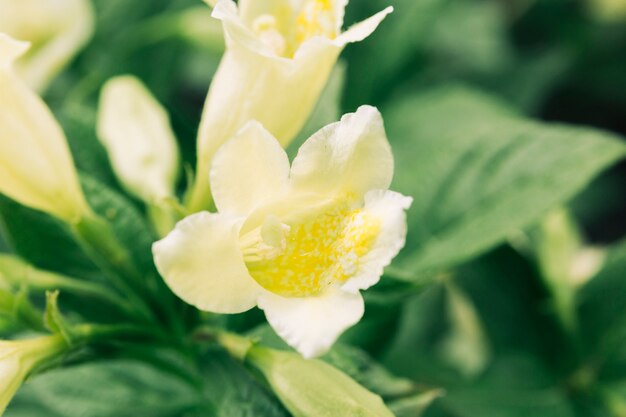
{"x": 314, "y": 254}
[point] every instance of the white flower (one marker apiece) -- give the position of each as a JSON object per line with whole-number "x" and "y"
{"x": 36, "y": 166}
{"x": 279, "y": 55}
{"x": 56, "y": 29}
{"x": 19, "y": 358}
{"x": 299, "y": 242}
{"x": 135, "y": 129}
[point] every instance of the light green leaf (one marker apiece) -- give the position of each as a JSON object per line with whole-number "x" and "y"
{"x": 478, "y": 172}
{"x": 312, "y": 388}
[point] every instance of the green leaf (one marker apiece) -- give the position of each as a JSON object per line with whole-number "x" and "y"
{"x": 234, "y": 391}
{"x": 393, "y": 45}
{"x": 602, "y": 311}
{"x": 128, "y": 224}
{"x": 118, "y": 388}
{"x": 79, "y": 123}
{"x": 508, "y": 299}
{"x": 513, "y": 387}
{"x": 43, "y": 241}
{"x": 477, "y": 172}
{"x": 363, "y": 369}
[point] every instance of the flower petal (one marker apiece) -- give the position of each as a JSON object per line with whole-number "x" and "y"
{"x": 248, "y": 170}
{"x": 311, "y": 325}
{"x": 352, "y": 156}
{"x": 235, "y": 31}
{"x": 135, "y": 129}
{"x": 10, "y": 50}
{"x": 361, "y": 30}
{"x": 389, "y": 207}
{"x": 250, "y": 10}
{"x": 201, "y": 262}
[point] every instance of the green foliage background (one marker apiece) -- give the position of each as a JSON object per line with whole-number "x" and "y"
{"x": 498, "y": 112}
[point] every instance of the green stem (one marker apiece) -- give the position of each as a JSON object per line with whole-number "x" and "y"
{"x": 18, "y": 307}
{"x": 236, "y": 345}
{"x": 162, "y": 217}
{"x": 97, "y": 239}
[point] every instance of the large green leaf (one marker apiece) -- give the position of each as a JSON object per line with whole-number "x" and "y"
{"x": 478, "y": 172}
{"x": 106, "y": 389}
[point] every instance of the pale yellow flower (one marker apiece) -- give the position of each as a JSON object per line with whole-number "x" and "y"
{"x": 279, "y": 55}
{"x": 19, "y": 358}
{"x": 136, "y": 132}
{"x": 299, "y": 242}
{"x": 57, "y": 30}
{"x": 609, "y": 10}
{"x": 36, "y": 167}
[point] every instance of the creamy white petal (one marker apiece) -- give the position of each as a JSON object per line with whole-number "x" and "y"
{"x": 250, "y": 10}
{"x": 36, "y": 167}
{"x": 361, "y": 30}
{"x": 249, "y": 170}
{"x": 136, "y": 132}
{"x": 311, "y": 325}
{"x": 10, "y": 50}
{"x": 389, "y": 207}
{"x": 279, "y": 93}
{"x": 201, "y": 262}
{"x": 352, "y": 156}
{"x": 57, "y": 30}
{"x": 235, "y": 31}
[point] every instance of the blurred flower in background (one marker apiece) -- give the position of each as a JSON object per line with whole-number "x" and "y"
{"x": 609, "y": 10}
{"x": 56, "y": 29}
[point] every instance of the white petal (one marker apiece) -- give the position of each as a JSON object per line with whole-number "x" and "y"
{"x": 235, "y": 31}
{"x": 362, "y": 30}
{"x": 249, "y": 10}
{"x": 201, "y": 262}
{"x": 248, "y": 170}
{"x": 311, "y": 325}
{"x": 136, "y": 132}
{"x": 352, "y": 156}
{"x": 389, "y": 207}
{"x": 10, "y": 50}
{"x": 36, "y": 167}
{"x": 57, "y": 30}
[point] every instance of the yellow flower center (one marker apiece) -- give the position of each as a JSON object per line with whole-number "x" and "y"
{"x": 283, "y": 35}
{"x": 317, "y": 18}
{"x": 300, "y": 260}
{"x": 266, "y": 29}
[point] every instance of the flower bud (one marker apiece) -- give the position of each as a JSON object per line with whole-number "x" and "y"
{"x": 312, "y": 388}
{"x": 136, "y": 132}
{"x": 36, "y": 167}
{"x": 19, "y": 358}
{"x": 56, "y": 30}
